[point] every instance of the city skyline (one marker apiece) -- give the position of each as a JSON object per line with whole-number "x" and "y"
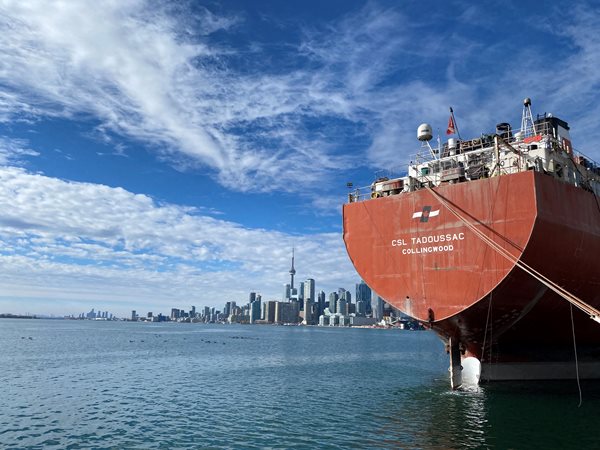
{"x": 367, "y": 309}
{"x": 153, "y": 153}
{"x": 299, "y": 305}
{"x": 307, "y": 286}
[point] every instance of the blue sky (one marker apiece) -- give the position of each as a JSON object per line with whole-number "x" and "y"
{"x": 157, "y": 155}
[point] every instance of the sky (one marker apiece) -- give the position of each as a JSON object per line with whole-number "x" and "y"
{"x": 166, "y": 154}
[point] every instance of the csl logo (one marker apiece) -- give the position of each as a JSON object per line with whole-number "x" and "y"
{"x": 425, "y": 214}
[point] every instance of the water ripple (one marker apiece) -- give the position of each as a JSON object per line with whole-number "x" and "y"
{"x": 81, "y": 385}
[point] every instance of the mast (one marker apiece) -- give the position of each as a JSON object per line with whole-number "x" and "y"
{"x": 527, "y": 124}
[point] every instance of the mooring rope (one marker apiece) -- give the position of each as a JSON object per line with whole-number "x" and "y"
{"x": 576, "y": 361}
{"x": 487, "y": 321}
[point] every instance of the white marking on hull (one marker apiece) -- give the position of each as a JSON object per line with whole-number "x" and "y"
{"x": 431, "y": 214}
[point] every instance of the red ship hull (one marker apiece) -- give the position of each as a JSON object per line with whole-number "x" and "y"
{"x": 418, "y": 256}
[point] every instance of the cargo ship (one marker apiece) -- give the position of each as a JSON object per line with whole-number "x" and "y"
{"x": 493, "y": 243}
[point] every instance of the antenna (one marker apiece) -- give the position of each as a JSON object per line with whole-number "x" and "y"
{"x": 527, "y": 125}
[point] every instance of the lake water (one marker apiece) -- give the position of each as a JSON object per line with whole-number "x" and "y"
{"x": 82, "y": 384}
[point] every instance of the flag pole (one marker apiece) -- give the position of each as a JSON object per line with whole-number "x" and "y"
{"x": 455, "y": 124}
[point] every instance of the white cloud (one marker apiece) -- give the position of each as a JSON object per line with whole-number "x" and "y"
{"x": 12, "y": 151}
{"x": 356, "y": 91}
{"x": 143, "y": 75}
{"x": 152, "y": 74}
{"x": 91, "y": 243}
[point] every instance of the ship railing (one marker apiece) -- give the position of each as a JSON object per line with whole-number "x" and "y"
{"x": 358, "y": 194}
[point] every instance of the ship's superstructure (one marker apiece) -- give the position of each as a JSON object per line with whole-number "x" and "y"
{"x": 492, "y": 242}
{"x": 543, "y": 145}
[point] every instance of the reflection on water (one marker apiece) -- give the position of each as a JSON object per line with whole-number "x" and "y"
{"x": 129, "y": 385}
{"x": 436, "y": 417}
{"x": 499, "y": 415}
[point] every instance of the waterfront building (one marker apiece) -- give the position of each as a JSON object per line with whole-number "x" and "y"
{"x": 236, "y": 315}
{"x": 286, "y": 312}
{"x": 134, "y": 316}
{"x": 251, "y": 297}
{"x": 308, "y": 313}
{"x": 254, "y": 312}
{"x": 270, "y": 311}
{"x": 377, "y": 307}
{"x": 357, "y": 321}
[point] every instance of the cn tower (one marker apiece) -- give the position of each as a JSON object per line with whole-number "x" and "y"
{"x": 292, "y": 272}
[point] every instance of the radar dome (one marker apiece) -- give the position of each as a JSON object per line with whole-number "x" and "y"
{"x": 424, "y": 132}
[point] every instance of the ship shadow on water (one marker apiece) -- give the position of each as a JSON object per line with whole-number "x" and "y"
{"x": 515, "y": 415}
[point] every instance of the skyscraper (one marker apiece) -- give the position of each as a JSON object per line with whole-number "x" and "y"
{"x": 309, "y": 290}
{"x": 251, "y": 297}
{"x": 363, "y": 293}
{"x": 321, "y": 303}
{"x": 342, "y": 307}
{"x": 333, "y": 298}
{"x": 254, "y": 313}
